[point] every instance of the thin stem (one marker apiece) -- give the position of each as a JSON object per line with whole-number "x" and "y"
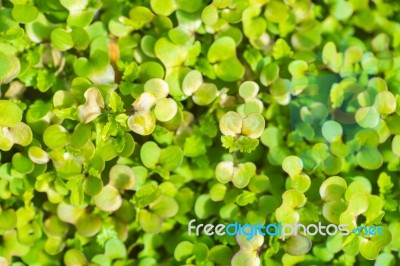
{"x": 234, "y": 156}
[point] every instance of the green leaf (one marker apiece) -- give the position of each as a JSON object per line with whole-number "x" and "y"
{"x": 146, "y": 195}
{"x": 229, "y": 70}
{"x": 269, "y": 74}
{"x": 4, "y": 67}
{"x": 194, "y": 146}
{"x": 292, "y": 165}
{"x": 231, "y": 124}
{"x": 122, "y": 177}
{"x": 10, "y": 115}
{"x": 74, "y": 257}
{"x": 298, "y": 245}
{"x": 150, "y": 222}
{"x": 150, "y": 154}
{"x": 192, "y": 82}
{"x": 205, "y": 94}
{"x": 141, "y": 16}
{"x": 142, "y": 123}
{"x": 246, "y": 198}
{"x": 165, "y": 207}
{"x": 281, "y": 50}
{"x": 331, "y": 58}
{"x": 169, "y": 54}
{"x": 242, "y": 174}
{"x": 243, "y": 143}
{"x": 171, "y": 158}
{"x": 333, "y": 188}
{"x": 224, "y": 171}
{"x": 22, "y": 163}
{"x": 222, "y": 49}
{"x": 80, "y": 135}
{"x": 80, "y": 38}
{"x": 358, "y": 204}
{"x": 162, "y": 7}
{"x": 61, "y": 39}
{"x": 183, "y": 250}
{"x": 369, "y": 249}
{"x": 24, "y": 13}
{"x": 332, "y": 130}
{"x": 385, "y": 103}
{"x": 55, "y": 136}
{"x": 92, "y": 185}
{"x": 220, "y": 254}
{"x": 342, "y": 10}
{"x": 8, "y": 219}
{"x": 245, "y": 257}
{"x": 76, "y": 196}
{"x": 253, "y": 125}
{"x": 37, "y": 155}
{"x": 248, "y": 90}
{"x": 165, "y": 109}
{"x": 259, "y": 184}
{"x": 367, "y": 117}
{"x": 385, "y": 183}
{"x": 158, "y": 87}
{"x": 108, "y": 200}
{"x": 115, "y": 249}
{"x": 88, "y": 225}
{"x": 293, "y": 198}
{"x": 200, "y": 250}
{"x": 209, "y": 15}
{"x": 218, "y": 192}
{"x": 73, "y": 5}
{"x": 369, "y": 158}
{"x": 332, "y": 211}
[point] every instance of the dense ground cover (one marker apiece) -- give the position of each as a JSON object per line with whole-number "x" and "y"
{"x": 121, "y": 121}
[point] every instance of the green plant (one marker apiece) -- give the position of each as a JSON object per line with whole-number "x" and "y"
{"x": 121, "y": 121}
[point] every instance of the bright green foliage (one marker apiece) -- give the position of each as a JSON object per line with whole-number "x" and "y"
{"x": 121, "y": 121}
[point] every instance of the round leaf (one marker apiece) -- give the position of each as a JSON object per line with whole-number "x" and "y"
{"x": 10, "y": 114}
